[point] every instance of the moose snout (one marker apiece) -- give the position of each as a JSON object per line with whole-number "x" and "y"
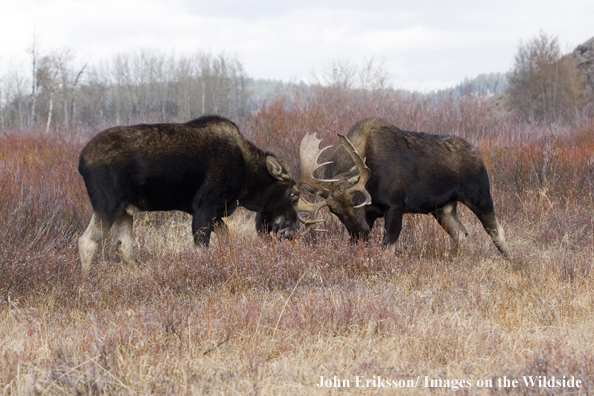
{"x": 284, "y": 228}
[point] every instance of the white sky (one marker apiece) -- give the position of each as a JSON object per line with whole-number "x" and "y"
{"x": 426, "y": 45}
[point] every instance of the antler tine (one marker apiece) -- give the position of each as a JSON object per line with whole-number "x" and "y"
{"x": 312, "y": 209}
{"x": 364, "y": 171}
{"x": 309, "y": 153}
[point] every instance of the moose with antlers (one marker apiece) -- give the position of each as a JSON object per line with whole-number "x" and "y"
{"x": 380, "y": 170}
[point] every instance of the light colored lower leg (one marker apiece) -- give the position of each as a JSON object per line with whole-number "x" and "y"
{"x": 123, "y": 238}
{"x": 89, "y": 241}
{"x": 457, "y": 241}
{"x": 448, "y": 219}
{"x": 131, "y": 209}
{"x": 498, "y": 237}
{"x": 390, "y": 249}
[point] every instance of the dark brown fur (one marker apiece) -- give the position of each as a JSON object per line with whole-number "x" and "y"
{"x": 204, "y": 167}
{"x": 412, "y": 172}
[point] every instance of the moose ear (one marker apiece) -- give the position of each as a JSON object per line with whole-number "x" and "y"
{"x": 278, "y": 168}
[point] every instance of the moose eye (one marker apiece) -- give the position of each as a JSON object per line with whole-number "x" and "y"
{"x": 357, "y": 198}
{"x": 293, "y": 197}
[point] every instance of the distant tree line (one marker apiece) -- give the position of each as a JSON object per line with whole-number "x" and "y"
{"x": 484, "y": 85}
{"x": 143, "y": 86}
{"x": 63, "y": 92}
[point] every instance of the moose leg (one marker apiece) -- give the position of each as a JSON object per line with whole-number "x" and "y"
{"x": 495, "y": 231}
{"x": 209, "y": 209}
{"x": 449, "y": 220}
{"x": 486, "y": 215}
{"x": 371, "y": 215}
{"x": 123, "y": 239}
{"x": 202, "y": 226}
{"x": 89, "y": 241}
{"x": 393, "y": 226}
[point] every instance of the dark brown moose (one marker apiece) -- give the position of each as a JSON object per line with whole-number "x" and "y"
{"x": 204, "y": 167}
{"x": 383, "y": 171}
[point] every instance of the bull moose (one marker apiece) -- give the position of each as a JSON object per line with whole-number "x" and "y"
{"x": 380, "y": 170}
{"x": 204, "y": 167}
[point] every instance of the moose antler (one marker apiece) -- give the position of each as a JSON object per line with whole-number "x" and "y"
{"x": 309, "y": 153}
{"x": 364, "y": 171}
{"x": 311, "y": 208}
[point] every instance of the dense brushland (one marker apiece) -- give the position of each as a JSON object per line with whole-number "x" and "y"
{"x": 259, "y": 316}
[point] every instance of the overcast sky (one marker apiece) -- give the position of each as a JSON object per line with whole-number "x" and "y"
{"x": 424, "y": 45}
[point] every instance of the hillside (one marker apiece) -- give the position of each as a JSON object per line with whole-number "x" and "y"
{"x": 584, "y": 54}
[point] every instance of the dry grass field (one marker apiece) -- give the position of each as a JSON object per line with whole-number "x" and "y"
{"x": 264, "y": 317}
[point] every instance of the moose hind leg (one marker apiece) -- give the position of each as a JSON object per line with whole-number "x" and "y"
{"x": 89, "y": 241}
{"x": 496, "y": 233}
{"x": 123, "y": 238}
{"x": 493, "y": 228}
{"x": 448, "y": 218}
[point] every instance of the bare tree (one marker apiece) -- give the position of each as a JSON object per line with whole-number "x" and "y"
{"x": 33, "y": 51}
{"x": 373, "y": 75}
{"x": 142, "y": 81}
{"x": 47, "y": 76}
{"x": 68, "y": 77}
{"x": 184, "y": 86}
{"x": 544, "y": 85}
{"x": 340, "y": 74}
{"x": 15, "y": 87}
{"x": 344, "y": 74}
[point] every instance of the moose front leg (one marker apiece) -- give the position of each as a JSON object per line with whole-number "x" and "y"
{"x": 204, "y": 223}
{"x": 202, "y": 226}
{"x": 393, "y": 227}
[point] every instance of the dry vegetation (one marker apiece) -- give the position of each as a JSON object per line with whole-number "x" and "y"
{"x": 259, "y": 316}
